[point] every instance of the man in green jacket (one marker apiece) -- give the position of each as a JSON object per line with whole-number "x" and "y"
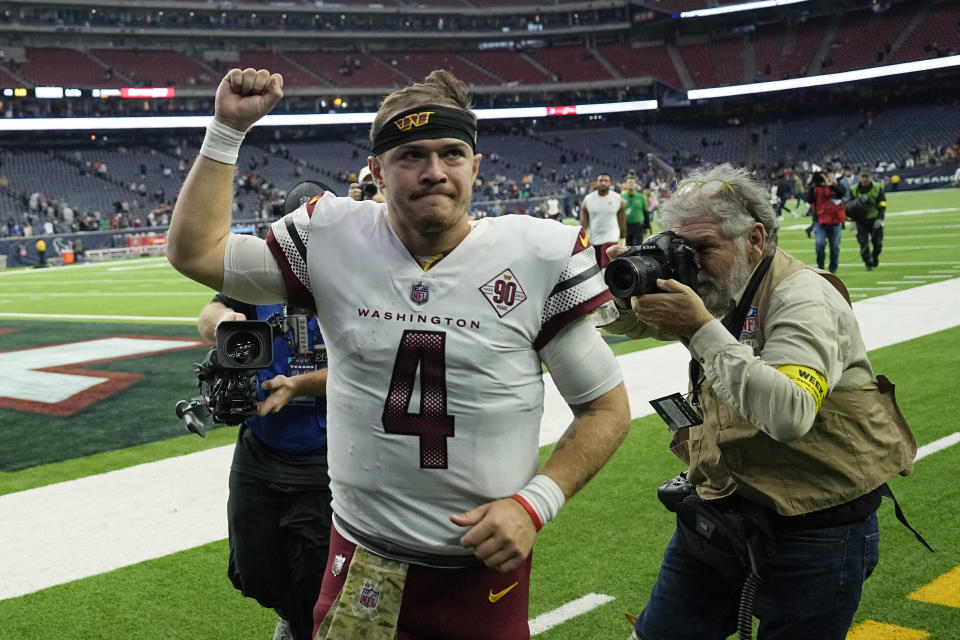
{"x": 870, "y": 226}
{"x": 638, "y": 211}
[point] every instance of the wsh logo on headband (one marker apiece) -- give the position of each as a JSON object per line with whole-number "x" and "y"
{"x": 413, "y": 120}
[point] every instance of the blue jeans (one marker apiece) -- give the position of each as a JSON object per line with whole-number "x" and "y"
{"x": 823, "y": 233}
{"x": 810, "y": 589}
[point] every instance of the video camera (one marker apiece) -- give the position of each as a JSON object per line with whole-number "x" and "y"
{"x": 227, "y": 377}
{"x": 664, "y": 255}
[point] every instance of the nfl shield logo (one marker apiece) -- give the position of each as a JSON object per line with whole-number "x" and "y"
{"x": 369, "y": 597}
{"x": 419, "y": 293}
{"x": 749, "y": 324}
{"x": 337, "y": 567}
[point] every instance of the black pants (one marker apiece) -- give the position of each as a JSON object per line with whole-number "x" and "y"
{"x": 869, "y": 231}
{"x": 635, "y": 233}
{"x": 279, "y": 538}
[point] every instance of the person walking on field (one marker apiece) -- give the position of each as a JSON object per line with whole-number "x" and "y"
{"x": 603, "y": 215}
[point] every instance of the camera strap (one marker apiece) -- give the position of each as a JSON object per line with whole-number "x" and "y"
{"x": 733, "y": 321}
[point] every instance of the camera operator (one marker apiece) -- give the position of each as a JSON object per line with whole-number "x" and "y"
{"x": 782, "y": 393}
{"x": 365, "y": 188}
{"x": 279, "y": 506}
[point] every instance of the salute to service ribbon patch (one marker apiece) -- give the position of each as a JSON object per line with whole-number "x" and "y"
{"x": 807, "y": 379}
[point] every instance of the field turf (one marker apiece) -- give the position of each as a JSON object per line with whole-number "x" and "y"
{"x": 608, "y": 540}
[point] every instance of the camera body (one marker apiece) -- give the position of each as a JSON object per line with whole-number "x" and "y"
{"x": 672, "y": 492}
{"x": 664, "y": 255}
{"x": 368, "y": 190}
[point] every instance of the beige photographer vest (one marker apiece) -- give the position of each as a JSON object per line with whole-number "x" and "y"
{"x": 858, "y": 441}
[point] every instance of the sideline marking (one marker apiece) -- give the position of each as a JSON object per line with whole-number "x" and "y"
{"x": 943, "y": 590}
{"x": 578, "y": 607}
{"x": 872, "y": 630}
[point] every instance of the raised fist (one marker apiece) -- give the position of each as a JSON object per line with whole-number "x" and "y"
{"x": 244, "y": 97}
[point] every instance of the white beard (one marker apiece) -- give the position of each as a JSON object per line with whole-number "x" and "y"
{"x": 718, "y": 294}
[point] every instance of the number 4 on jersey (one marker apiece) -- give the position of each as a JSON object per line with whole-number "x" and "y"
{"x": 426, "y": 350}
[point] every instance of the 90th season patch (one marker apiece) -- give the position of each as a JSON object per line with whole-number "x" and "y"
{"x": 504, "y": 292}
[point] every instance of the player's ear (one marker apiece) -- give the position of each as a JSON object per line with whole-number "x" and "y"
{"x": 376, "y": 170}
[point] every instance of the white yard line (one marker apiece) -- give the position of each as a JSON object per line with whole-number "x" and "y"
{"x": 578, "y": 607}
{"x": 76, "y": 316}
{"x": 71, "y": 530}
{"x": 937, "y": 445}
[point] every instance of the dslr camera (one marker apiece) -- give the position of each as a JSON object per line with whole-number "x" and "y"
{"x": 368, "y": 190}
{"x": 664, "y": 255}
{"x": 227, "y": 377}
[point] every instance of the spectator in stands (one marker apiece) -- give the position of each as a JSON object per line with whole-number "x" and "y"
{"x": 870, "y": 225}
{"x": 637, "y": 212}
{"x": 603, "y": 215}
{"x": 826, "y": 198}
{"x": 783, "y": 397}
{"x": 410, "y": 498}
{"x": 278, "y": 510}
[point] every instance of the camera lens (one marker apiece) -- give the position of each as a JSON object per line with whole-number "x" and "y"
{"x": 243, "y": 348}
{"x": 632, "y": 276}
{"x": 621, "y": 277}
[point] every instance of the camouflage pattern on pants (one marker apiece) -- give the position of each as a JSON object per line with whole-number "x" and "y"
{"x": 368, "y": 606}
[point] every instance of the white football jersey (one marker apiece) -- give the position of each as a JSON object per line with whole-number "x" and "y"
{"x": 435, "y": 391}
{"x": 604, "y": 226}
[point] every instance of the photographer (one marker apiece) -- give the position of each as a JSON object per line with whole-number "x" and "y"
{"x": 279, "y": 506}
{"x": 782, "y": 393}
{"x": 365, "y": 188}
{"x": 826, "y": 198}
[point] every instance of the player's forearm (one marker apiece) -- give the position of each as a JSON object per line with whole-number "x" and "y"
{"x": 201, "y": 222}
{"x": 598, "y": 429}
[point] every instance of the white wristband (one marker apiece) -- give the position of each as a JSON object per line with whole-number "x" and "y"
{"x": 543, "y": 496}
{"x": 222, "y": 143}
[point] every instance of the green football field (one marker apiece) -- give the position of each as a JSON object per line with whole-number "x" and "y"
{"x": 607, "y": 541}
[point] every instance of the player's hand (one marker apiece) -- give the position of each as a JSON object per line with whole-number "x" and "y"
{"x": 281, "y": 389}
{"x": 244, "y": 97}
{"x": 501, "y": 533}
{"x": 679, "y": 311}
{"x": 355, "y": 191}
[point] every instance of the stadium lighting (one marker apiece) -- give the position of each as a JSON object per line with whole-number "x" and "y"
{"x": 830, "y": 78}
{"x": 732, "y": 8}
{"x": 284, "y": 120}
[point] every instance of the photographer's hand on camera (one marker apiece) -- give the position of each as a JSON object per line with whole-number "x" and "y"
{"x": 679, "y": 312}
{"x": 355, "y": 191}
